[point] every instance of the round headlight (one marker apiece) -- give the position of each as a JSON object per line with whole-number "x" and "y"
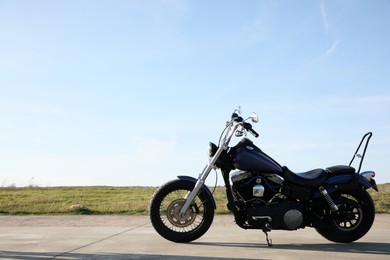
{"x": 212, "y": 149}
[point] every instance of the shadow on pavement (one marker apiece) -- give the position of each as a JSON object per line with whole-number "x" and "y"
{"x": 76, "y": 256}
{"x": 356, "y": 247}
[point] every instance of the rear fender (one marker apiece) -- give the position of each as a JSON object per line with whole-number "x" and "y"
{"x": 350, "y": 180}
{"x": 347, "y": 182}
{"x": 367, "y": 183}
{"x": 204, "y": 188}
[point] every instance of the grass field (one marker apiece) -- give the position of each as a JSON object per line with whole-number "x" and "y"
{"x": 111, "y": 200}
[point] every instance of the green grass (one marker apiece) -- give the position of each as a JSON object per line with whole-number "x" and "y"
{"x": 381, "y": 198}
{"x": 75, "y": 200}
{"x": 111, "y": 200}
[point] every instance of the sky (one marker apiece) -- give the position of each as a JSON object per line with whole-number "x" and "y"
{"x": 129, "y": 93}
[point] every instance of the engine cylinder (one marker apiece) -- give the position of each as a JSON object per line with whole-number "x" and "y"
{"x": 250, "y": 185}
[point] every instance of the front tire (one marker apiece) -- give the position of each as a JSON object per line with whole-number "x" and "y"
{"x": 354, "y": 218}
{"x": 164, "y": 212}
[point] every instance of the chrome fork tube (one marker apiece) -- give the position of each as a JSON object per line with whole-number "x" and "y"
{"x": 201, "y": 180}
{"x": 203, "y": 176}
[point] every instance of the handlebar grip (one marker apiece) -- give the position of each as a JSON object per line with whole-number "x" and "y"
{"x": 255, "y": 134}
{"x": 249, "y": 128}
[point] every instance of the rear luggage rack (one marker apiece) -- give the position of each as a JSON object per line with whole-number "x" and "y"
{"x": 361, "y": 157}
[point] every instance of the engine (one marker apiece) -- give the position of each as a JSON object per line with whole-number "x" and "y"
{"x": 256, "y": 192}
{"x": 249, "y": 185}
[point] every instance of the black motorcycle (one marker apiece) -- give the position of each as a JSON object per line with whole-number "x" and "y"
{"x": 264, "y": 195}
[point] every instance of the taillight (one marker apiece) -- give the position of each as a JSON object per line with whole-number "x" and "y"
{"x": 368, "y": 175}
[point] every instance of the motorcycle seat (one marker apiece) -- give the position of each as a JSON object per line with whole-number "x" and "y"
{"x": 311, "y": 178}
{"x": 340, "y": 169}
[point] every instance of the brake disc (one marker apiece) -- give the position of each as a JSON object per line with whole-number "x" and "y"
{"x": 174, "y": 217}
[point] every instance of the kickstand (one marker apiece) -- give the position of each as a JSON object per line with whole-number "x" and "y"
{"x": 266, "y": 230}
{"x": 269, "y": 241}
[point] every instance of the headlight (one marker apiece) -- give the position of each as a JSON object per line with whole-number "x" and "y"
{"x": 212, "y": 149}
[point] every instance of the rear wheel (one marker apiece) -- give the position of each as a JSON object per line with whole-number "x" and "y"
{"x": 354, "y": 218}
{"x": 165, "y": 207}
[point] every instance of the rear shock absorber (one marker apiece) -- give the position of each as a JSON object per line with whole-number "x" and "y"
{"x": 328, "y": 199}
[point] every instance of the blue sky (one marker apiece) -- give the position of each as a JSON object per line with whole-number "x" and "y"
{"x": 131, "y": 92}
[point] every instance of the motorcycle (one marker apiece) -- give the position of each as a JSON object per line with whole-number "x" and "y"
{"x": 262, "y": 194}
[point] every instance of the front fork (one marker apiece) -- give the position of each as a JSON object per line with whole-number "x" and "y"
{"x": 201, "y": 180}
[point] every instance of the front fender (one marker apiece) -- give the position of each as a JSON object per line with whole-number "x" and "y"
{"x": 204, "y": 188}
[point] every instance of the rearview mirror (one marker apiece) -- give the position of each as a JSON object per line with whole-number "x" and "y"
{"x": 238, "y": 110}
{"x": 254, "y": 117}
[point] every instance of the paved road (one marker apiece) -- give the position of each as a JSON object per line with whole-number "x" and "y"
{"x": 132, "y": 237}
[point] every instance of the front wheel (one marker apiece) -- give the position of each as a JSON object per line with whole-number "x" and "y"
{"x": 354, "y": 218}
{"x": 165, "y": 207}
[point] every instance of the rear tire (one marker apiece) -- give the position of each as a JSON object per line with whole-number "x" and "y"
{"x": 354, "y": 218}
{"x": 164, "y": 212}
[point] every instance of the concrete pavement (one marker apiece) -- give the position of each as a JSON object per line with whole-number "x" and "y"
{"x": 133, "y": 237}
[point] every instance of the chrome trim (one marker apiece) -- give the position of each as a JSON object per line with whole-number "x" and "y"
{"x": 262, "y": 217}
{"x": 368, "y": 175}
{"x": 276, "y": 178}
{"x": 258, "y": 191}
{"x": 240, "y": 175}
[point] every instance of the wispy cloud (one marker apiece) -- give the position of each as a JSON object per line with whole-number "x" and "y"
{"x": 324, "y": 16}
{"x": 327, "y": 30}
{"x": 332, "y": 48}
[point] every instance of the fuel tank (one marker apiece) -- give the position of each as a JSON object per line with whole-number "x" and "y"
{"x": 249, "y": 158}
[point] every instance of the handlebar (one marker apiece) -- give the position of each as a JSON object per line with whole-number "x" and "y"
{"x": 234, "y": 123}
